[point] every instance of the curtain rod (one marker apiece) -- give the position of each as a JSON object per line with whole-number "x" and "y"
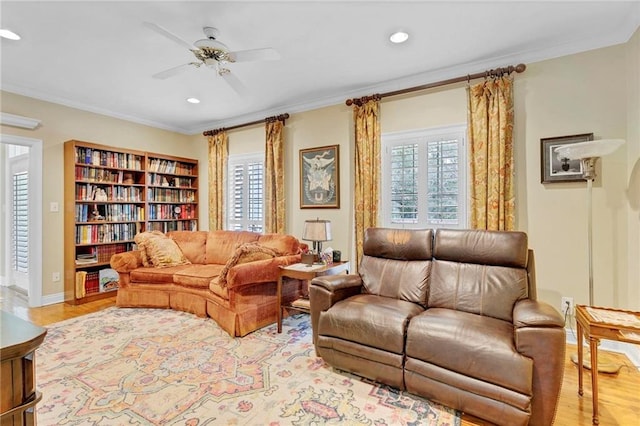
{"x": 280, "y": 117}
{"x": 490, "y": 73}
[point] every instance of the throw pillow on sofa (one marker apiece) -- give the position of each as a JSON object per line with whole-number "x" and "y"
{"x": 141, "y": 241}
{"x": 159, "y": 250}
{"x": 247, "y": 252}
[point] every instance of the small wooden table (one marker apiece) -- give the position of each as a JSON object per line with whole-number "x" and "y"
{"x": 305, "y": 272}
{"x": 19, "y": 340}
{"x": 597, "y": 323}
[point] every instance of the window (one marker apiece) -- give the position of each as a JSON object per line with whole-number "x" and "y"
{"x": 246, "y": 195}
{"x": 20, "y": 222}
{"x": 423, "y": 178}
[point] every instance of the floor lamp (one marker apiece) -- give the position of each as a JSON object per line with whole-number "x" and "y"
{"x": 588, "y": 153}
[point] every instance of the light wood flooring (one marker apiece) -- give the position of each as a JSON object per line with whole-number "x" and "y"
{"x": 619, "y": 394}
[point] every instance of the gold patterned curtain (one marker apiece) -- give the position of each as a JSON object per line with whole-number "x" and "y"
{"x": 218, "y": 153}
{"x": 367, "y": 167}
{"x": 491, "y": 154}
{"x": 274, "y": 177}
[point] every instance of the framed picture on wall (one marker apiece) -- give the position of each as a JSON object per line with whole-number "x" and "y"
{"x": 553, "y": 168}
{"x": 320, "y": 177}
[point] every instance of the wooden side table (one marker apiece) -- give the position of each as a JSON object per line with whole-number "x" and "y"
{"x": 597, "y": 323}
{"x": 304, "y": 272}
{"x": 19, "y": 340}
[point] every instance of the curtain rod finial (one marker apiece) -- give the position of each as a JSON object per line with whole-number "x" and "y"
{"x": 520, "y": 68}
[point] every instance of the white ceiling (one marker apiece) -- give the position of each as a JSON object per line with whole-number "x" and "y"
{"x": 98, "y": 56}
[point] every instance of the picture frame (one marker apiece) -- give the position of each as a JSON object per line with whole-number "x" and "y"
{"x": 320, "y": 177}
{"x": 555, "y": 169}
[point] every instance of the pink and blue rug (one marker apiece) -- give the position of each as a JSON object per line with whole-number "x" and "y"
{"x": 164, "y": 367}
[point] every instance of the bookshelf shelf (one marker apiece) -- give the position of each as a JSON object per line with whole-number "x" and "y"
{"x": 112, "y": 194}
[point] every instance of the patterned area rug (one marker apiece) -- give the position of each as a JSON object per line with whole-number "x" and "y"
{"x": 148, "y": 366}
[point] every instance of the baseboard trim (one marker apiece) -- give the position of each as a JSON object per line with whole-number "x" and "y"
{"x": 52, "y": 299}
{"x": 630, "y": 350}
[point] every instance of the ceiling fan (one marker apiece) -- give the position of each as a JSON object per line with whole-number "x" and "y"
{"x": 213, "y": 54}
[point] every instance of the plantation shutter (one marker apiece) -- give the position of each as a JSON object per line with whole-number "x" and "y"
{"x": 246, "y": 194}
{"x": 404, "y": 184}
{"x": 20, "y": 222}
{"x": 442, "y": 182}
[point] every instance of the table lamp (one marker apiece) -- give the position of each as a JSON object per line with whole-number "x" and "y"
{"x": 318, "y": 231}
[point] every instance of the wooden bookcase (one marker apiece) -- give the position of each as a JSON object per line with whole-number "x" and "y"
{"x": 172, "y": 193}
{"x": 110, "y": 195}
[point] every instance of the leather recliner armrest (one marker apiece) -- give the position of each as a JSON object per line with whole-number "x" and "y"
{"x": 335, "y": 283}
{"x": 325, "y": 291}
{"x": 539, "y": 334}
{"x": 533, "y": 313}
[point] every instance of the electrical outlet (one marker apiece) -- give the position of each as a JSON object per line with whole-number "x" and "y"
{"x": 566, "y": 306}
{"x": 55, "y": 277}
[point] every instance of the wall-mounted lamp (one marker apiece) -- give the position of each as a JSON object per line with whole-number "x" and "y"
{"x": 317, "y": 231}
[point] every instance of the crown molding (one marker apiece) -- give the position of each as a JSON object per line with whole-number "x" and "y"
{"x": 7, "y": 119}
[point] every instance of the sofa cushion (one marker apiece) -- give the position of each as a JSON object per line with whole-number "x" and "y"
{"x": 375, "y": 321}
{"x": 197, "y": 275}
{"x": 192, "y": 244}
{"x": 478, "y": 289}
{"x": 398, "y": 244}
{"x": 283, "y": 244}
{"x": 221, "y": 245}
{"x": 164, "y": 252}
{"x": 151, "y": 275}
{"x": 247, "y": 252}
{"x": 141, "y": 240}
{"x": 482, "y": 272}
{"x": 473, "y": 345}
{"x": 501, "y": 248}
{"x": 399, "y": 279}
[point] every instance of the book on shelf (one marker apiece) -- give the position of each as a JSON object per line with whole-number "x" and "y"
{"x": 81, "y": 280}
{"x": 109, "y": 280}
{"x": 92, "y": 283}
{"x": 87, "y": 257}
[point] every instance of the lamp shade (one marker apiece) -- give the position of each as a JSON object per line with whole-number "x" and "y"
{"x": 317, "y": 230}
{"x": 589, "y": 149}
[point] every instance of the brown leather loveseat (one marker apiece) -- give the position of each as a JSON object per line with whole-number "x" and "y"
{"x": 450, "y": 315}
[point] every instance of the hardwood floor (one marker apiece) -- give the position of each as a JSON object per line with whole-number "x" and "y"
{"x": 619, "y": 395}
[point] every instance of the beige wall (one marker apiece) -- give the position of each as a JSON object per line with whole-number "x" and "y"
{"x": 576, "y": 94}
{"x": 60, "y": 124}
{"x": 552, "y": 98}
{"x": 596, "y": 91}
{"x": 633, "y": 168}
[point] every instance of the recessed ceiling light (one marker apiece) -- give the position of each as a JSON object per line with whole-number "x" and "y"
{"x": 398, "y": 37}
{"x": 193, "y": 100}
{"x": 4, "y": 33}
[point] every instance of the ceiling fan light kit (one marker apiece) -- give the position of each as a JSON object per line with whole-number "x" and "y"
{"x": 214, "y": 54}
{"x": 398, "y": 37}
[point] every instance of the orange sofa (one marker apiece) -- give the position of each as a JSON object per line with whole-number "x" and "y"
{"x": 220, "y": 278}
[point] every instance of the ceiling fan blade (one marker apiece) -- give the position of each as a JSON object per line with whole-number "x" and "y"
{"x": 157, "y": 28}
{"x": 235, "y": 83}
{"x": 266, "y": 54}
{"x": 172, "y": 71}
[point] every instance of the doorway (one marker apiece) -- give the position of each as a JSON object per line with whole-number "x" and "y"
{"x": 21, "y": 199}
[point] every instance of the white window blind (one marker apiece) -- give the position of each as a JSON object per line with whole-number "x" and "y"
{"x": 20, "y": 222}
{"x": 246, "y": 193}
{"x": 423, "y": 179}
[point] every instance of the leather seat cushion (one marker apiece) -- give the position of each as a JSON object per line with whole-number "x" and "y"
{"x": 477, "y": 346}
{"x": 197, "y": 275}
{"x": 375, "y": 321}
{"x": 152, "y": 275}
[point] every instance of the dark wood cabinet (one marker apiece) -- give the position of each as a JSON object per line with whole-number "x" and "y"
{"x": 19, "y": 340}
